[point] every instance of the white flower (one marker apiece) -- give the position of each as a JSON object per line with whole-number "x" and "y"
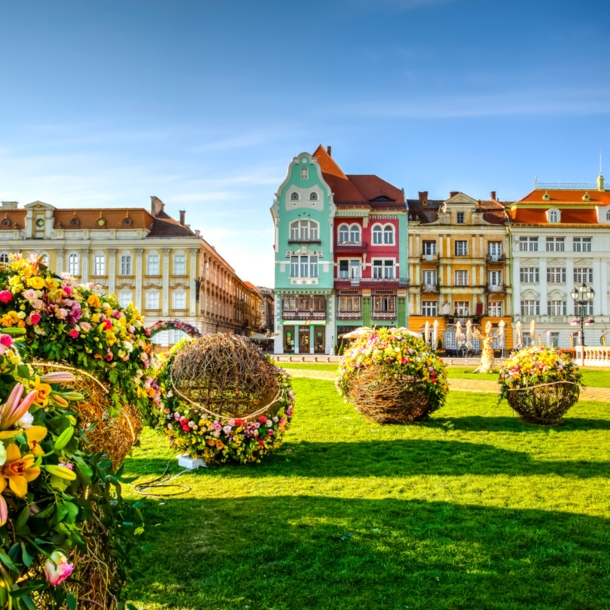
{"x": 2, "y": 454}
{"x": 268, "y": 423}
{"x": 216, "y": 433}
{"x": 26, "y": 421}
{"x": 227, "y": 429}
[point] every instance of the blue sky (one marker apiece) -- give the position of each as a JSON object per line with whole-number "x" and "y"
{"x": 204, "y": 103}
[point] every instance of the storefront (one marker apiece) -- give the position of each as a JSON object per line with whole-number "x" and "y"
{"x": 304, "y": 337}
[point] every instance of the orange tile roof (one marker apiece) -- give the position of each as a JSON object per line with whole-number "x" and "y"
{"x": 567, "y": 196}
{"x": 251, "y": 286}
{"x": 340, "y": 184}
{"x": 538, "y": 216}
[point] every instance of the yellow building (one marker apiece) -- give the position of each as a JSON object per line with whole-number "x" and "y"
{"x": 146, "y": 257}
{"x": 459, "y": 261}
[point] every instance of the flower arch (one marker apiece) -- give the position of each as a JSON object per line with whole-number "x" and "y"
{"x": 185, "y": 327}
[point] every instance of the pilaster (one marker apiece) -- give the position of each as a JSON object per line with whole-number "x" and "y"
{"x": 165, "y": 252}
{"x": 112, "y": 270}
{"x": 138, "y": 303}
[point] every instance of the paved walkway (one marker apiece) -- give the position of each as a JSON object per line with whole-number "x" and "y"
{"x": 464, "y": 385}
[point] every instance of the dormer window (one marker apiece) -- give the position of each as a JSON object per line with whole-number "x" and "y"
{"x": 75, "y": 223}
{"x": 553, "y": 216}
{"x": 313, "y": 196}
{"x": 294, "y": 196}
{"x": 40, "y": 223}
{"x": 6, "y": 223}
{"x": 460, "y": 218}
{"x": 127, "y": 222}
{"x": 608, "y": 215}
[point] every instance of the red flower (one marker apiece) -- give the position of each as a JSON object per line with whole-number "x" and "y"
{"x": 108, "y": 357}
{"x": 107, "y": 324}
{"x": 6, "y": 340}
{"x": 262, "y": 419}
{"x": 5, "y": 296}
{"x": 73, "y": 333}
{"x": 239, "y": 422}
{"x": 186, "y": 428}
{"x": 34, "y": 318}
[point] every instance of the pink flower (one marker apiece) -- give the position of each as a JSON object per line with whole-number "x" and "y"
{"x": 61, "y": 313}
{"x": 57, "y": 568}
{"x": 108, "y": 357}
{"x": 6, "y": 340}
{"x": 107, "y": 324}
{"x": 37, "y": 304}
{"x": 67, "y": 290}
{"x": 5, "y": 296}
{"x": 73, "y": 333}
{"x": 227, "y": 430}
{"x": 270, "y": 432}
{"x": 35, "y": 318}
{"x": 30, "y": 294}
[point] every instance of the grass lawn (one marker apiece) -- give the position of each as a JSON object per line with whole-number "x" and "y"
{"x": 470, "y": 510}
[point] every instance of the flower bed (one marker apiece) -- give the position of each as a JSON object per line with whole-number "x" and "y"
{"x": 540, "y": 384}
{"x": 221, "y": 439}
{"x": 392, "y": 376}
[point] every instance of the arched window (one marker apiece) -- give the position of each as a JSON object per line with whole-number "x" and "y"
{"x": 388, "y": 234}
{"x": 343, "y": 234}
{"x": 294, "y": 196}
{"x": 377, "y": 235}
{"x": 73, "y": 264}
{"x": 354, "y": 234}
{"x": 313, "y": 196}
{"x": 4, "y": 257}
{"x": 553, "y": 216}
{"x": 304, "y": 230}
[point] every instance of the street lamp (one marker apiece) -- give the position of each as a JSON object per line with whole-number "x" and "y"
{"x": 582, "y": 295}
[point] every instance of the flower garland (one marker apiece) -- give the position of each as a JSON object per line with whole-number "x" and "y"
{"x": 175, "y": 324}
{"x": 51, "y": 490}
{"x": 535, "y": 366}
{"x": 216, "y": 441}
{"x": 65, "y": 321}
{"x": 399, "y": 353}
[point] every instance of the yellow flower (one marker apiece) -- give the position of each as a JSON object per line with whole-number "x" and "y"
{"x": 52, "y": 284}
{"x": 95, "y": 318}
{"x": 37, "y": 283}
{"x": 94, "y": 301}
{"x": 44, "y": 390}
{"x": 18, "y": 471}
{"x": 35, "y": 434}
{"x": 9, "y": 319}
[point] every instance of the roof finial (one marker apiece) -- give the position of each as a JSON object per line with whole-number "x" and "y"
{"x": 600, "y": 178}
{"x": 535, "y": 182}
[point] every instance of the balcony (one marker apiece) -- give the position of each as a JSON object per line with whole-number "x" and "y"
{"x": 496, "y": 288}
{"x": 304, "y": 241}
{"x": 349, "y": 315}
{"x": 499, "y": 259}
{"x": 383, "y": 315}
{"x": 304, "y": 315}
{"x": 430, "y": 288}
{"x": 429, "y": 258}
{"x": 370, "y": 282}
{"x": 351, "y": 247}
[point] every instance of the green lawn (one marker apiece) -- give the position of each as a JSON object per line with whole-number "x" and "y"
{"x": 595, "y": 378}
{"x": 470, "y": 510}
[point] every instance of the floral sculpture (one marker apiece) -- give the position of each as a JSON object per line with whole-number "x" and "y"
{"x": 540, "y": 384}
{"x": 60, "y": 506}
{"x": 216, "y": 430}
{"x": 392, "y": 376}
{"x": 176, "y": 324}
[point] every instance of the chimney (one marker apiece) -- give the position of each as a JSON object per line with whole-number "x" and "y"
{"x": 182, "y": 216}
{"x": 10, "y": 205}
{"x": 492, "y": 196}
{"x": 156, "y": 206}
{"x": 329, "y": 150}
{"x": 453, "y": 193}
{"x": 423, "y": 195}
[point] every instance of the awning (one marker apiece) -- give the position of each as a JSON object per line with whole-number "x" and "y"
{"x": 304, "y": 322}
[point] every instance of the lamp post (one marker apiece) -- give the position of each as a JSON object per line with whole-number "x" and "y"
{"x": 582, "y": 295}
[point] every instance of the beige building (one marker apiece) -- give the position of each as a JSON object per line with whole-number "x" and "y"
{"x": 146, "y": 257}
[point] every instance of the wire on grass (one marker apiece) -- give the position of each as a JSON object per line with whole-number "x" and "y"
{"x": 165, "y": 480}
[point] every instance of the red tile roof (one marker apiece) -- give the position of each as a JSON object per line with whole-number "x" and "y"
{"x": 567, "y": 196}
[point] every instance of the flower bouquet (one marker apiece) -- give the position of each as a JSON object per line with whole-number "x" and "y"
{"x": 540, "y": 384}
{"x": 392, "y": 376}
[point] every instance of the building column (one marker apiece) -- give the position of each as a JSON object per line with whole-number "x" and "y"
{"x": 85, "y": 255}
{"x": 139, "y": 281}
{"x": 516, "y": 287}
{"x": 544, "y": 310}
{"x": 597, "y": 286}
{"x": 165, "y": 285}
{"x": 111, "y": 270}
{"x": 603, "y": 287}
{"x": 569, "y": 285}
{"x": 60, "y": 255}
{"x": 194, "y": 270}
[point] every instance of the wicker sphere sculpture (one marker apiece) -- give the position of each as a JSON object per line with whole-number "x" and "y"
{"x": 226, "y": 376}
{"x": 392, "y": 377}
{"x": 112, "y": 435}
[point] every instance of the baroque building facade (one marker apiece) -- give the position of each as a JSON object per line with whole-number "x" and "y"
{"x": 560, "y": 238}
{"x": 459, "y": 266}
{"x": 146, "y": 257}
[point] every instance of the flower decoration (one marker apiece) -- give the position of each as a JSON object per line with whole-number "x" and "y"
{"x": 185, "y": 327}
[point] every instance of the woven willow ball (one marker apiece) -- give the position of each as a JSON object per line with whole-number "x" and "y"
{"x": 225, "y": 375}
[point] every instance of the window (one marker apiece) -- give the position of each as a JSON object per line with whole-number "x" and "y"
{"x": 429, "y": 277}
{"x": 383, "y": 269}
{"x": 608, "y": 215}
{"x": 429, "y": 248}
{"x": 461, "y": 278}
{"x": 179, "y": 264}
{"x": 343, "y": 234}
{"x": 494, "y": 278}
{"x": 529, "y": 275}
{"x": 377, "y": 235}
{"x": 4, "y": 257}
{"x": 583, "y": 275}
{"x": 555, "y": 244}
{"x": 429, "y": 308}
{"x": 460, "y": 218}
{"x": 528, "y": 244}
{"x": 179, "y": 300}
{"x": 553, "y": 215}
{"x": 289, "y": 304}
{"x": 495, "y": 309}
{"x": 530, "y": 308}
{"x": 354, "y": 234}
{"x": 294, "y": 266}
{"x": 349, "y": 269}
{"x": 494, "y": 250}
{"x": 557, "y": 308}
{"x": 585, "y": 308}
{"x": 553, "y": 339}
{"x": 99, "y": 264}
{"x": 152, "y": 300}
{"x": 349, "y": 304}
{"x": 304, "y": 173}
{"x": 582, "y": 244}
{"x": 303, "y": 266}
{"x": 125, "y": 264}
{"x": 73, "y": 264}
{"x": 294, "y": 196}
{"x": 461, "y": 248}
{"x": 461, "y": 308}
{"x": 388, "y": 234}
{"x": 304, "y": 230}
{"x": 384, "y": 304}
{"x": 313, "y": 196}
{"x": 152, "y": 264}
{"x": 313, "y": 266}
{"x": 556, "y": 275}
{"x": 124, "y": 299}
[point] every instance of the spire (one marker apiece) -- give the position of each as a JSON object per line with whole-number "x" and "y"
{"x": 600, "y": 178}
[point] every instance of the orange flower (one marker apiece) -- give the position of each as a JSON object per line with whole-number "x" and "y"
{"x": 35, "y": 434}
{"x": 94, "y": 301}
{"x": 43, "y": 392}
{"x": 18, "y": 471}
